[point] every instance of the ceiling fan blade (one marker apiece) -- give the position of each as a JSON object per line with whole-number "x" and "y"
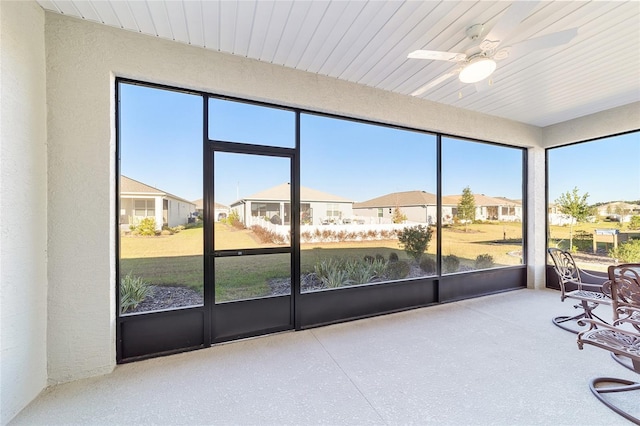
{"x": 507, "y": 23}
{"x": 543, "y": 42}
{"x": 433, "y": 83}
{"x": 437, "y": 55}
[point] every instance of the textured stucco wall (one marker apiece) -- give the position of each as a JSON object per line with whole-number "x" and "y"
{"x": 537, "y": 218}
{"x": 23, "y": 198}
{"x": 82, "y": 60}
{"x": 616, "y": 120}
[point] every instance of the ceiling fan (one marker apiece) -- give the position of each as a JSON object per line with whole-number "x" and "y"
{"x": 479, "y": 61}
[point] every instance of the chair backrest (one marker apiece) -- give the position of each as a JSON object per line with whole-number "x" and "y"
{"x": 565, "y": 267}
{"x": 625, "y": 286}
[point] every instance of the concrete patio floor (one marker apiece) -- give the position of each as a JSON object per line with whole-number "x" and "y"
{"x": 493, "y": 360}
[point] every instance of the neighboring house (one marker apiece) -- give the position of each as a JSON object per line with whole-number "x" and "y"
{"x": 221, "y": 211}
{"x": 139, "y": 201}
{"x": 556, "y": 217}
{"x": 421, "y": 207}
{"x": 417, "y": 206}
{"x": 489, "y": 208}
{"x": 618, "y": 211}
{"x": 274, "y": 204}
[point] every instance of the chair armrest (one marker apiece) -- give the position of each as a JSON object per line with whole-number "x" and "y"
{"x": 586, "y": 286}
{"x": 628, "y": 315}
{"x": 602, "y": 325}
{"x": 597, "y": 277}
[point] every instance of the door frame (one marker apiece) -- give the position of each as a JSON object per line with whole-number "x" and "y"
{"x": 251, "y": 317}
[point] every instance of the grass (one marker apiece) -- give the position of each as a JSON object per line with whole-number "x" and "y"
{"x": 177, "y": 259}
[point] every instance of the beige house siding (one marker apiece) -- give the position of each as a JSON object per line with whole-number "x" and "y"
{"x": 139, "y": 201}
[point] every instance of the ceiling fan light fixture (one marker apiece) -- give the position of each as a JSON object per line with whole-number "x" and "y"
{"x": 477, "y": 70}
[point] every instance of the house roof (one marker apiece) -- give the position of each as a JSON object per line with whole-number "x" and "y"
{"x": 130, "y": 186}
{"x": 400, "y": 199}
{"x": 283, "y": 191}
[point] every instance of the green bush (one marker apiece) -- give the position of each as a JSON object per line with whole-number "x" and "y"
{"x": 234, "y": 220}
{"x": 147, "y": 227}
{"x": 428, "y": 265}
{"x": 359, "y": 272}
{"x": 627, "y": 252}
{"x": 379, "y": 266}
{"x": 634, "y": 223}
{"x": 335, "y": 272}
{"x": 393, "y": 257}
{"x": 484, "y": 261}
{"x": 415, "y": 240}
{"x": 397, "y": 270}
{"x": 133, "y": 290}
{"x": 331, "y": 272}
{"x": 450, "y": 264}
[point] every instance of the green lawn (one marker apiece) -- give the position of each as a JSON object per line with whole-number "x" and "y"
{"x": 177, "y": 259}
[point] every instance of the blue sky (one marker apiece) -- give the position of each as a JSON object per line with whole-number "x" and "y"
{"x": 608, "y": 169}
{"x": 161, "y": 145}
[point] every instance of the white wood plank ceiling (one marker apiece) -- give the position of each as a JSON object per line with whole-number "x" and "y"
{"x": 367, "y": 42}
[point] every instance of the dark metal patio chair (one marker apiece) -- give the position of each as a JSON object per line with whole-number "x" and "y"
{"x": 628, "y": 294}
{"x": 621, "y": 338}
{"x": 588, "y": 288}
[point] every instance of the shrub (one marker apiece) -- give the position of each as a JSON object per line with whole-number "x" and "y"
{"x": 415, "y": 240}
{"x": 335, "y": 272}
{"x": 380, "y": 257}
{"x": 198, "y": 224}
{"x": 484, "y": 261}
{"x": 428, "y": 265}
{"x": 634, "y": 223}
{"x": 266, "y": 236}
{"x": 147, "y": 226}
{"x": 450, "y": 264}
{"x": 358, "y": 272}
{"x": 379, "y": 266}
{"x": 133, "y": 290}
{"x": 627, "y": 252}
{"x": 234, "y": 220}
{"x": 397, "y": 270}
{"x": 331, "y": 272}
{"x": 393, "y": 257}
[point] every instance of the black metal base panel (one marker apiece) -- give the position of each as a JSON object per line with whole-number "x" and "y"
{"x": 160, "y": 333}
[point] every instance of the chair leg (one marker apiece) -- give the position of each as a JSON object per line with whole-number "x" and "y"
{"x": 587, "y": 312}
{"x": 626, "y": 386}
{"x": 624, "y": 361}
{"x": 559, "y": 321}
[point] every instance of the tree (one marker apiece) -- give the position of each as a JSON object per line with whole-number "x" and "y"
{"x": 467, "y": 207}
{"x": 575, "y": 205}
{"x": 398, "y": 216}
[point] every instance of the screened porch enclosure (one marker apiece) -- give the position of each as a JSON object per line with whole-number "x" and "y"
{"x": 306, "y": 252}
